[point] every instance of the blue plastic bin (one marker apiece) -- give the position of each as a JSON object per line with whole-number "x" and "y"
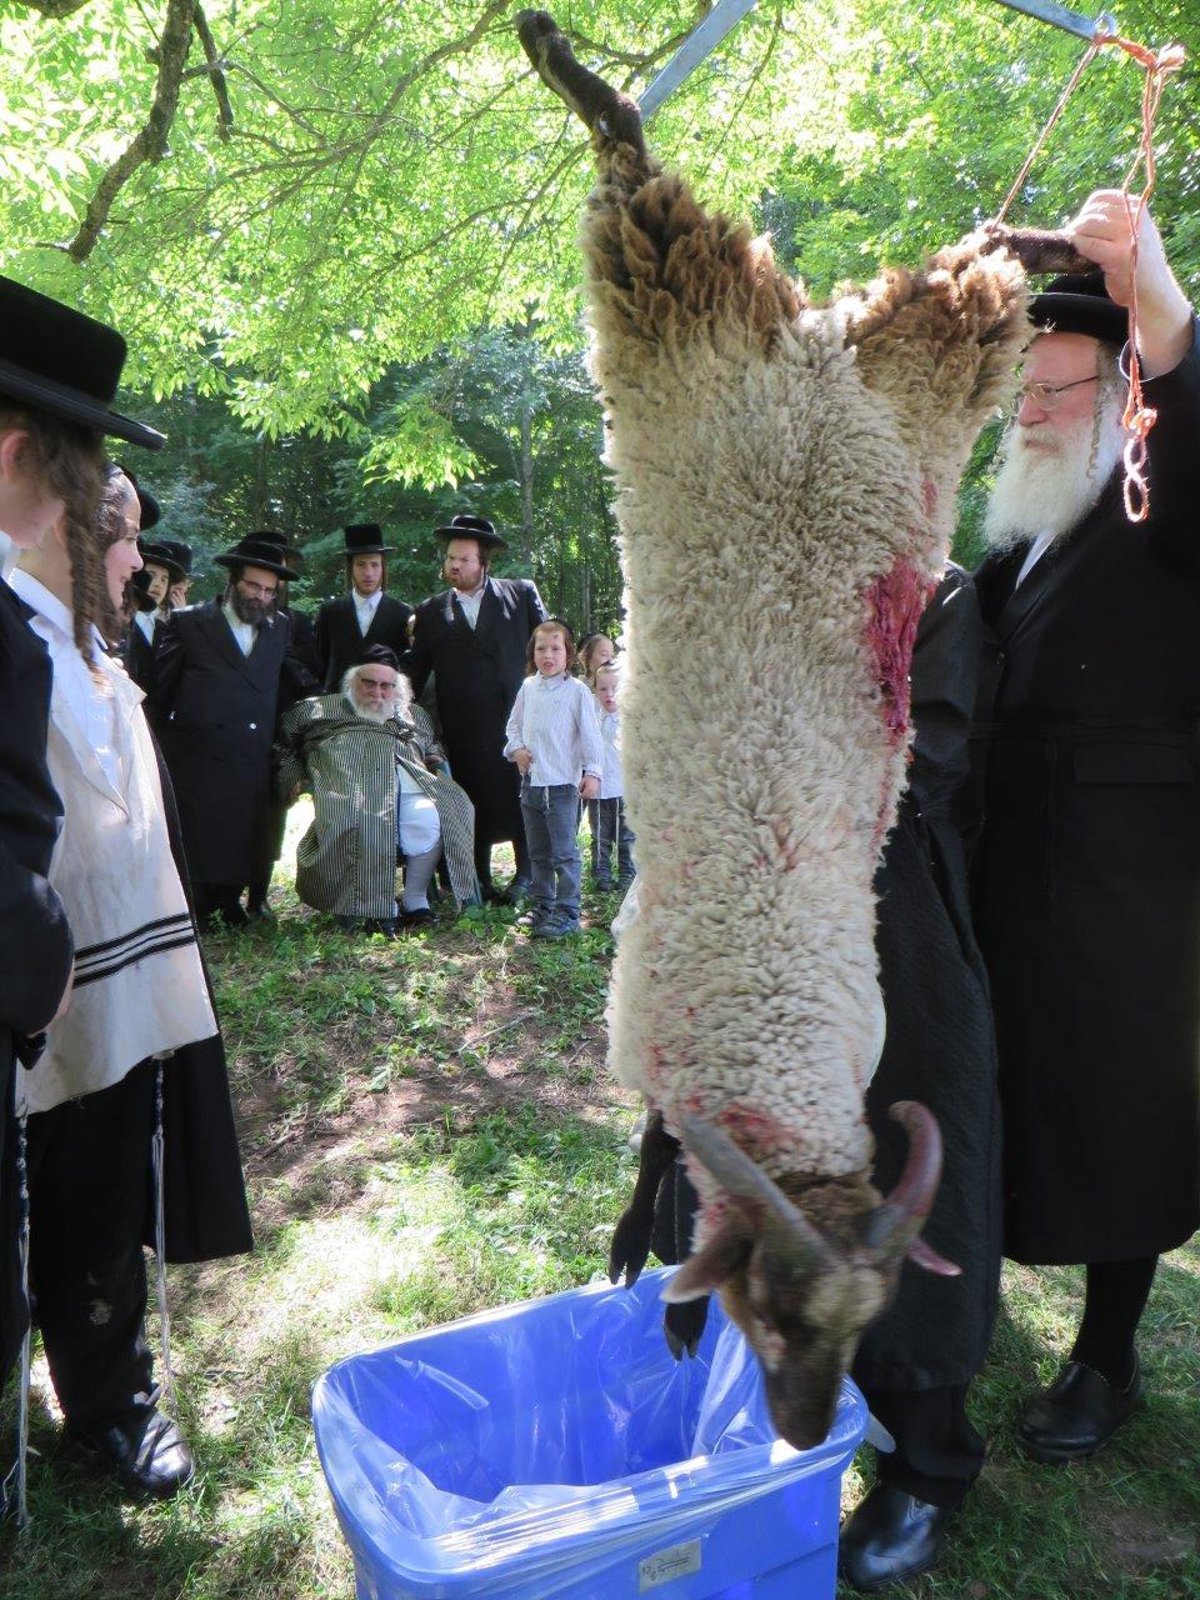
{"x": 557, "y": 1449}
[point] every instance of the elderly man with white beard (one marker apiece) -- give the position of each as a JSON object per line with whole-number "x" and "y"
{"x": 372, "y": 762}
{"x": 1087, "y": 876}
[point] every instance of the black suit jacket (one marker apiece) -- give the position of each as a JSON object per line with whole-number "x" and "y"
{"x": 1088, "y": 870}
{"x": 340, "y": 642}
{"x": 214, "y": 711}
{"x": 35, "y": 943}
{"x": 477, "y": 672}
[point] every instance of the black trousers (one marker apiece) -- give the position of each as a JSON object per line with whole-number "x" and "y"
{"x": 91, "y": 1199}
{"x": 938, "y": 1453}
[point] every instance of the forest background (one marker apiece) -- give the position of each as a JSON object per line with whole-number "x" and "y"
{"x": 340, "y": 235}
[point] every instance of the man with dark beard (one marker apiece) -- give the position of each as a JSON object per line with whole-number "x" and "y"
{"x": 222, "y": 679}
{"x": 1087, "y": 877}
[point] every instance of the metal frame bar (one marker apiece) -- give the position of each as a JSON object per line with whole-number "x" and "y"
{"x": 698, "y": 45}
{"x": 1057, "y": 16}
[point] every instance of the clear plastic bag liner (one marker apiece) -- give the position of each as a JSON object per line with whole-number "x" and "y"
{"x": 489, "y": 1456}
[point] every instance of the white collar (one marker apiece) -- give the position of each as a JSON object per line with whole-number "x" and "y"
{"x": 49, "y": 606}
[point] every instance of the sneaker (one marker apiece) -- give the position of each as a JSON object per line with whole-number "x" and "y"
{"x": 530, "y": 919}
{"x": 556, "y": 928}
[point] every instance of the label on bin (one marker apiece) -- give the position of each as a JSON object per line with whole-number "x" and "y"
{"x": 677, "y": 1562}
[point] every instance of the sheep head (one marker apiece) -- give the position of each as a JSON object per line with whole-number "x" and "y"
{"x": 802, "y": 1278}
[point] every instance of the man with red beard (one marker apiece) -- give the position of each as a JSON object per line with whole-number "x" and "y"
{"x": 1087, "y": 876}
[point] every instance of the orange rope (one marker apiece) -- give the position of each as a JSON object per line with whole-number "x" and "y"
{"x": 1138, "y": 418}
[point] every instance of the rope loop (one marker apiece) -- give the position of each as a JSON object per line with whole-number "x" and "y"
{"x": 1138, "y": 419}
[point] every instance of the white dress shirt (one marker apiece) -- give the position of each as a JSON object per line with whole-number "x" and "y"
{"x": 365, "y": 607}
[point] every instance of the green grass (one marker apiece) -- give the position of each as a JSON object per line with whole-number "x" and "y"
{"x": 428, "y": 1129}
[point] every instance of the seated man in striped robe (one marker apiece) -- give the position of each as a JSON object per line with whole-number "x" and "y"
{"x": 373, "y": 765}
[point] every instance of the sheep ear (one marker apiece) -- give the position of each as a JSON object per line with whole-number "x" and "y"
{"x": 708, "y": 1269}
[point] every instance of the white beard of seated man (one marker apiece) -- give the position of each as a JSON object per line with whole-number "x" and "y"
{"x": 377, "y": 693}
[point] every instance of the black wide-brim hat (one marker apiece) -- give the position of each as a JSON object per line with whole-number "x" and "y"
{"x": 468, "y": 527}
{"x": 58, "y": 361}
{"x": 139, "y": 591}
{"x": 149, "y": 510}
{"x": 160, "y": 555}
{"x": 258, "y": 552}
{"x": 180, "y": 554}
{"x": 365, "y": 539}
{"x": 1078, "y": 302}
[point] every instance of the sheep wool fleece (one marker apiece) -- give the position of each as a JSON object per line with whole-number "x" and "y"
{"x": 786, "y": 480}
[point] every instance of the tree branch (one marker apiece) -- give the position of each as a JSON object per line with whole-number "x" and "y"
{"x": 215, "y": 70}
{"x": 151, "y": 143}
{"x": 57, "y": 9}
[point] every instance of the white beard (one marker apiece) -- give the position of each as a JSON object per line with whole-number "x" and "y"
{"x": 1039, "y": 490}
{"x": 369, "y": 714}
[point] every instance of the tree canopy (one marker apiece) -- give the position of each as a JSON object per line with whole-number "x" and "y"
{"x": 278, "y": 202}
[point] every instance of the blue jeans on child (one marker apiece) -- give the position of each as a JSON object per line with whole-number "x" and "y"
{"x": 606, "y": 818}
{"x": 551, "y": 816}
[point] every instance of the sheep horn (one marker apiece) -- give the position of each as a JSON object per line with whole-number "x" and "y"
{"x": 597, "y": 103}
{"x": 893, "y": 1226}
{"x": 733, "y": 1169}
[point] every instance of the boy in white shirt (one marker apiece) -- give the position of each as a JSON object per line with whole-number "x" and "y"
{"x": 606, "y": 813}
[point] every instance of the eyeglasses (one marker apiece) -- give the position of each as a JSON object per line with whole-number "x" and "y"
{"x": 259, "y": 589}
{"x": 377, "y": 683}
{"x": 1047, "y": 395}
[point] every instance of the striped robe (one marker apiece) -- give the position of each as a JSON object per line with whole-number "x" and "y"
{"x": 346, "y": 862}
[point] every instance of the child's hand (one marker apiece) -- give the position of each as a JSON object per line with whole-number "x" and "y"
{"x": 524, "y": 760}
{"x": 590, "y": 787}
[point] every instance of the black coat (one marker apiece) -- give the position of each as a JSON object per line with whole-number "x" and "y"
{"x": 35, "y": 943}
{"x": 477, "y": 672}
{"x": 340, "y": 641}
{"x": 137, "y": 654}
{"x": 1088, "y": 873}
{"x": 205, "y": 1213}
{"x": 214, "y": 711}
{"x": 940, "y": 1048}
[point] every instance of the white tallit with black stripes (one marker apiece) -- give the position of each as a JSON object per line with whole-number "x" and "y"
{"x": 139, "y": 986}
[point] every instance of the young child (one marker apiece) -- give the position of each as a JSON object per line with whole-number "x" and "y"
{"x": 554, "y": 739}
{"x": 596, "y": 651}
{"x": 606, "y": 813}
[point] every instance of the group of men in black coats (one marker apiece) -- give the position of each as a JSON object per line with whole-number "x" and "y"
{"x": 219, "y": 677}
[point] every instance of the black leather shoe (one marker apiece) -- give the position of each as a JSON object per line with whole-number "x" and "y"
{"x": 421, "y": 918}
{"x": 518, "y": 892}
{"x": 149, "y": 1452}
{"x": 888, "y": 1537}
{"x": 260, "y": 911}
{"x": 1077, "y": 1415}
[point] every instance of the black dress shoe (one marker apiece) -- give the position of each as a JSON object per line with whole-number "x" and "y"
{"x": 888, "y": 1537}
{"x": 423, "y": 917}
{"x": 1077, "y": 1415}
{"x": 517, "y": 892}
{"x": 260, "y": 911}
{"x": 149, "y": 1452}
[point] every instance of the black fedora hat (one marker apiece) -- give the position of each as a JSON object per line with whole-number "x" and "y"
{"x": 365, "y": 539}
{"x": 468, "y": 527}
{"x": 56, "y": 360}
{"x": 1078, "y": 302}
{"x": 152, "y": 551}
{"x": 180, "y": 554}
{"x": 150, "y": 510}
{"x": 257, "y": 551}
{"x": 138, "y": 591}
